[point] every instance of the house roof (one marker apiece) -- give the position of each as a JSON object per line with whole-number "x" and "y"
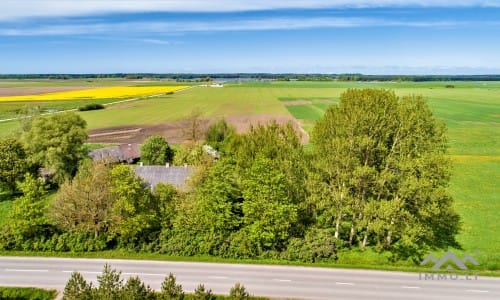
{"x": 125, "y": 152}
{"x": 153, "y": 175}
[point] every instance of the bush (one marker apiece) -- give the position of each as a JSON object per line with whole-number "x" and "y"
{"x": 17, "y": 293}
{"x": 200, "y": 293}
{"x": 238, "y": 292}
{"x": 317, "y": 245}
{"x": 92, "y": 106}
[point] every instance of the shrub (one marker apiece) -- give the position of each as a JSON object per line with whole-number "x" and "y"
{"x": 238, "y": 292}
{"x": 200, "y": 293}
{"x": 18, "y": 293}
{"x": 92, "y": 106}
{"x": 317, "y": 245}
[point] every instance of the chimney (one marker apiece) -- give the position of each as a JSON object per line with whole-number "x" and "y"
{"x": 141, "y": 164}
{"x": 185, "y": 165}
{"x": 167, "y": 165}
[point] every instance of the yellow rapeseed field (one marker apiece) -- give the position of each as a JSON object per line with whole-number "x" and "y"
{"x": 117, "y": 92}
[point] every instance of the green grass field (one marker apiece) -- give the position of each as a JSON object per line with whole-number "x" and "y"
{"x": 471, "y": 111}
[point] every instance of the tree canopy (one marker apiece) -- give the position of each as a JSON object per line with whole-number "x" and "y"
{"x": 379, "y": 173}
{"x": 56, "y": 142}
{"x": 156, "y": 151}
{"x": 13, "y": 164}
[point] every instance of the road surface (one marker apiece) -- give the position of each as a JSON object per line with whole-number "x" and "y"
{"x": 261, "y": 280}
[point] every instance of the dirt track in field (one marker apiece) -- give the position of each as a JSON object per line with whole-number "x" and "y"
{"x": 296, "y": 102}
{"x": 22, "y": 91}
{"x": 174, "y": 132}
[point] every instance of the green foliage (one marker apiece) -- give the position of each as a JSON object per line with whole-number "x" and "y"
{"x": 268, "y": 212}
{"x": 238, "y": 292}
{"x": 191, "y": 154}
{"x": 219, "y": 134}
{"x": 77, "y": 288}
{"x": 209, "y": 214}
{"x": 13, "y": 165}
{"x": 110, "y": 284}
{"x": 379, "y": 171}
{"x": 156, "y": 151}
{"x": 56, "y": 142}
{"x": 26, "y": 293}
{"x": 91, "y": 106}
{"x": 135, "y": 289}
{"x": 133, "y": 212}
{"x": 317, "y": 245}
{"x": 201, "y": 293}
{"x": 84, "y": 204}
{"x": 170, "y": 290}
{"x": 27, "y": 218}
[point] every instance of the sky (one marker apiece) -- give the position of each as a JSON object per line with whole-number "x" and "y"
{"x": 230, "y": 36}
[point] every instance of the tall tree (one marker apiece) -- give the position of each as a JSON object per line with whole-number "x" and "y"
{"x": 56, "y": 142}
{"x": 28, "y": 215}
{"x": 84, "y": 203}
{"x": 156, "y": 151}
{"x": 268, "y": 212}
{"x": 13, "y": 165}
{"x": 379, "y": 168}
{"x": 133, "y": 210}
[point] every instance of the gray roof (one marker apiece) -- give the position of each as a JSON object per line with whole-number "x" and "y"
{"x": 122, "y": 153}
{"x": 153, "y": 175}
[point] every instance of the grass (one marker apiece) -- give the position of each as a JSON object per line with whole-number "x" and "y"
{"x": 471, "y": 111}
{"x": 26, "y": 293}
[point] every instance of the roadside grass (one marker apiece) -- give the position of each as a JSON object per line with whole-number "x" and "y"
{"x": 26, "y": 293}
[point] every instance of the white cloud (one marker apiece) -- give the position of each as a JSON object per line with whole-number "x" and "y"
{"x": 165, "y": 27}
{"x": 22, "y": 9}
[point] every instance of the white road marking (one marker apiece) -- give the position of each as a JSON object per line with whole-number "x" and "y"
{"x": 410, "y": 287}
{"x": 24, "y": 270}
{"x": 344, "y": 283}
{"x": 83, "y": 272}
{"x": 282, "y": 280}
{"x": 217, "y": 277}
{"x": 477, "y": 291}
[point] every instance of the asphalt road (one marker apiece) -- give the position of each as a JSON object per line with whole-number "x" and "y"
{"x": 262, "y": 280}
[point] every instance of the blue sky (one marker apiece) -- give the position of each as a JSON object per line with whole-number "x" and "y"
{"x": 297, "y": 36}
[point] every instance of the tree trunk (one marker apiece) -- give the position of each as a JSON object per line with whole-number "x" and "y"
{"x": 388, "y": 239}
{"x": 337, "y": 224}
{"x": 353, "y": 229}
{"x": 365, "y": 238}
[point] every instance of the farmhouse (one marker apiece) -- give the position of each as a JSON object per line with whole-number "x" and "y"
{"x": 127, "y": 153}
{"x": 153, "y": 175}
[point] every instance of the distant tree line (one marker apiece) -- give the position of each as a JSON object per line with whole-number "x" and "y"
{"x": 376, "y": 177}
{"x": 257, "y": 76}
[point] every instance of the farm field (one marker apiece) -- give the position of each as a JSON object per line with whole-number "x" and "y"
{"x": 118, "y": 92}
{"x": 471, "y": 111}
